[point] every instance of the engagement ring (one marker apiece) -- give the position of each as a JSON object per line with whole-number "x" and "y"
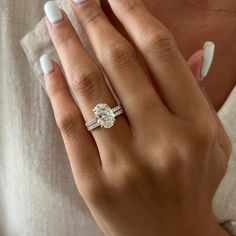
{"x": 104, "y": 116}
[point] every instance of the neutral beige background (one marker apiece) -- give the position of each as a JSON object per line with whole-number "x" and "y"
{"x": 38, "y": 195}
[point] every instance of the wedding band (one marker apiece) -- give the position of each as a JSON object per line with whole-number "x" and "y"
{"x": 104, "y": 116}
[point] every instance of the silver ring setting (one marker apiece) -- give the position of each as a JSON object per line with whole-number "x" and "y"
{"x": 104, "y": 116}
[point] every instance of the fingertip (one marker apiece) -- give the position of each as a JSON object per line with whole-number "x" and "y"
{"x": 78, "y": 2}
{"x": 47, "y": 64}
{"x": 209, "y": 50}
{"x": 201, "y": 61}
{"x": 53, "y": 12}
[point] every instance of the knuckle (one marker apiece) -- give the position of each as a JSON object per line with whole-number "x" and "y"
{"x": 172, "y": 151}
{"x": 67, "y": 122}
{"x": 94, "y": 17}
{"x": 203, "y": 139}
{"x": 226, "y": 145}
{"x": 162, "y": 44}
{"x": 92, "y": 185}
{"x": 206, "y": 129}
{"x": 63, "y": 37}
{"x": 229, "y": 146}
{"x": 54, "y": 89}
{"x": 87, "y": 83}
{"x": 129, "y": 6}
{"x": 97, "y": 194}
{"x": 121, "y": 53}
{"x": 176, "y": 165}
{"x": 129, "y": 177}
{"x": 202, "y": 134}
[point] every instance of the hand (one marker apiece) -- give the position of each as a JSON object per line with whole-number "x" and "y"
{"x": 156, "y": 170}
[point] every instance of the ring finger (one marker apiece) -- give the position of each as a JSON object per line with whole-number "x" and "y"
{"x": 120, "y": 62}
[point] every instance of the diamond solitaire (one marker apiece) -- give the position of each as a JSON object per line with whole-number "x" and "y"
{"x": 104, "y": 116}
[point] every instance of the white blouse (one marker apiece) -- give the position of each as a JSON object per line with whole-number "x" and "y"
{"x": 38, "y": 195}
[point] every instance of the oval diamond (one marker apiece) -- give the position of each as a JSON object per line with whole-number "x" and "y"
{"x": 104, "y": 115}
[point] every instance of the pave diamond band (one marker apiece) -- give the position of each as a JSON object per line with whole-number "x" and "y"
{"x": 104, "y": 116}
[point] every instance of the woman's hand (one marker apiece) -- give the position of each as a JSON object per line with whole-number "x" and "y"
{"x": 156, "y": 170}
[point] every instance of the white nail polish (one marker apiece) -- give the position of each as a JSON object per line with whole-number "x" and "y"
{"x": 79, "y": 1}
{"x": 209, "y": 49}
{"x": 53, "y": 12}
{"x": 46, "y": 64}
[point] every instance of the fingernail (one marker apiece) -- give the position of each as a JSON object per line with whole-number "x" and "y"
{"x": 79, "y": 1}
{"x": 46, "y": 64}
{"x": 53, "y": 12}
{"x": 209, "y": 49}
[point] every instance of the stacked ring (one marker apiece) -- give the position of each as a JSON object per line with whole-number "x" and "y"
{"x": 104, "y": 116}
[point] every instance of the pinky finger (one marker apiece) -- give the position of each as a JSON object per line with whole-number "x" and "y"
{"x": 80, "y": 145}
{"x": 201, "y": 61}
{"x": 195, "y": 64}
{"x": 200, "y": 64}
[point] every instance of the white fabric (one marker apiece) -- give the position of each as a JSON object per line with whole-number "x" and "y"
{"x": 38, "y": 194}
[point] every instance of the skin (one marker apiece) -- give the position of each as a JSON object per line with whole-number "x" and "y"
{"x": 156, "y": 170}
{"x": 192, "y": 30}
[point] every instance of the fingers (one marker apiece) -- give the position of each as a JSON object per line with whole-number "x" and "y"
{"x": 119, "y": 60}
{"x": 83, "y": 75}
{"x": 80, "y": 145}
{"x": 208, "y": 55}
{"x": 162, "y": 56}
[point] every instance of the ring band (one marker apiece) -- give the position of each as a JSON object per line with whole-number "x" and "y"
{"x": 104, "y": 116}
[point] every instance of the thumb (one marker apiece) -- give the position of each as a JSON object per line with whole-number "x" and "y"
{"x": 200, "y": 62}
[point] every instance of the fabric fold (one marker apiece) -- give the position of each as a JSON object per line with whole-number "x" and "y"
{"x": 38, "y": 42}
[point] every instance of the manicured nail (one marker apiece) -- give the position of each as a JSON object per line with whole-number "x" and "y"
{"x": 46, "y": 64}
{"x": 53, "y": 12}
{"x": 79, "y": 1}
{"x": 209, "y": 49}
